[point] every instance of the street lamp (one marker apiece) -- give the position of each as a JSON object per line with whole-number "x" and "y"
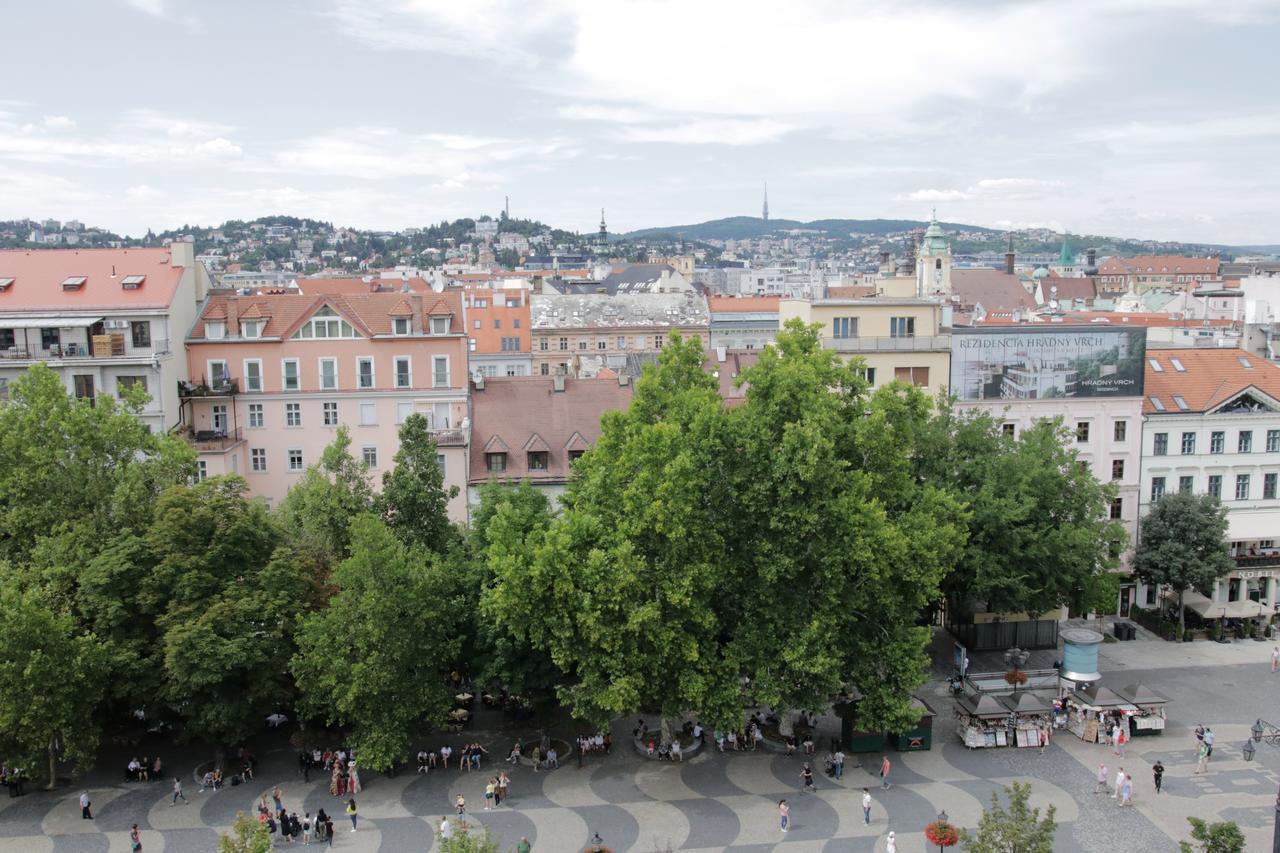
{"x": 1262, "y": 731}
{"x": 942, "y": 833}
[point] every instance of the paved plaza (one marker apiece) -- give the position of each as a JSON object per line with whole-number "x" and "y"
{"x": 720, "y": 802}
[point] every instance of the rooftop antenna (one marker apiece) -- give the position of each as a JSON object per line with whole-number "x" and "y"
{"x": 764, "y": 213}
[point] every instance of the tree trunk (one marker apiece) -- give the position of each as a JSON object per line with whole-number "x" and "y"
{"x": 786, "y": 724}
{"x": 665, "y": 726}
{"x": 1182, "y": 619}
{"x": 53, "y": 763}
{"x": 219, "y": 756}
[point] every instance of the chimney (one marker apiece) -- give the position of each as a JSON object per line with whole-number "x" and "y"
{"x": 182, "y": 253}
{"x": 623, "y": 380}
{"x": 557, "y": 383}
{"x": 233, "y": 317}
{"x": 478, "y": 382}
{"x": 1009, "y": 257}
{"x": 419, "y": 322}
{"x": 721, "y": 354}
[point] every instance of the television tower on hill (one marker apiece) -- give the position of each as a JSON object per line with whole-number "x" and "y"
{"x": 764, "y": 214}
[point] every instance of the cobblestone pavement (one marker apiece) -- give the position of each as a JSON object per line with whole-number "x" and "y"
{"x": 716, "y": 802}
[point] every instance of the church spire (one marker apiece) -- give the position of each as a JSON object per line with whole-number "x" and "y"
{"x": 604, "y": 231}
{"x": 764, "y": 214}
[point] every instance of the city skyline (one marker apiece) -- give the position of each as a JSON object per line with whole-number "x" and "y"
{"x": 158, "y": 113}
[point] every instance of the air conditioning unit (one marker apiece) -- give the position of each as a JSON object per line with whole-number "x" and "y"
{"x": 116, "y": 324}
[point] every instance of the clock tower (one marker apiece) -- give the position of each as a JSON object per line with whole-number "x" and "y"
{"x": 933, "y": 262}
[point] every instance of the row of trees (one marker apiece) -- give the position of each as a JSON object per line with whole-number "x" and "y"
{"x": 789, "y": 547}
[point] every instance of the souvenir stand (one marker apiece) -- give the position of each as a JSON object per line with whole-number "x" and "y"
{"x": 919, "y": 736}
{"x": 1149, "y": 718}
{"x": 983, "y": 721}
{"x": 1091, "y": 710}
{"x": 1030, "y": 715}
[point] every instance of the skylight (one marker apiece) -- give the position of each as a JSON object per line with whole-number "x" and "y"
{"x": 1155, "y": 365}
{"x": 1155, "y": 401}
{"x": 132, "y": 282}
{"x": 1177, "y": 365}
{"x": 5, "y": 282}
{"x": 1182, "y": 404}
{"x": 74, "y": 282}
{"x": 1244, "y": 362}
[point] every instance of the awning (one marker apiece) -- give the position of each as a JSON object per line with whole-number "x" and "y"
{"x": 1208, "y": 609}
{"x": 1247, "y": 525}
{"x": 61, "y": 322}
{"x": 1140, "y": 694}
{"x": 1102, "y": 697}
{"x": 983, "y": 707}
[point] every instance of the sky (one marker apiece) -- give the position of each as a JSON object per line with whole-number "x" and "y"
{"x": 1153, "y": 119}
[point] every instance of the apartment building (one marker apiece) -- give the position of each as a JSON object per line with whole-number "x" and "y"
{"x": 498, "y": 329}
{"x": 1212, "y": 425}
{"x": 743, "y": 322}
{"x": 273, "y": 376}
{"x": 103, "y": 319}
{"x": 1148, "y": 272}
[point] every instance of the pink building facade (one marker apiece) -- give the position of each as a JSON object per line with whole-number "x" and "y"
{"x": 273, "y": 376}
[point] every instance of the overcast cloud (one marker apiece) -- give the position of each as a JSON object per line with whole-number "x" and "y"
{"x": 1143, "y": 118}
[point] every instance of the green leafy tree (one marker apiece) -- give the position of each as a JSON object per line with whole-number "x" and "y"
{"x": 1018, "y": 829}
{"x": 319, "y": 508}
{"x": 414, "y": 501}
{"x": 1183, "y": 545}
{"x": 466, "y": 841}
{"x": 246, "y": 836}
{"x": 53, "y": 676}
{"x": 377, "y": 658}
{"x": 1223, "y": 837}
{"x": 1038, "y": 530}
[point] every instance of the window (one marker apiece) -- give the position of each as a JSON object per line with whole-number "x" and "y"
{"x": 215, "y": 330}
{"x": 537, "y": 460}
{"x": 49, "y": 338}
{"x": 141, "y": 332}
{"x": 7, "y": 338}
{"x": 515, "y": 321}
{"x": 257, "y": 415}
{"x": 404, "y": 372}
{"x": 902, "y": 327}
{"x": 1157, "y": 488}
{"x": 497, "y": 323}
{"x": 476, "y": 323}
{"x": 622, "y": 341}
{"x": 1008, "y": 430}
{"x": 1160, "y": 444}
{"x": 575, "y": 455}
{"x": 1242, "y": 487}
{"x": 1186, "y": 485}
{"x": 330, "y": 410}
{"x": 253, "y": 374}
{"x": 510, "y": 344}
{"x": 658, "y": 341}
{"x": 1217, "y": 441}
{"x": 1215, "y": 485}
{"x": 912, "y": 375}
{"x": 328, "y": 374}
{"x": 258, "y": 459}
{"x": 602, "y": 344}
{"x": 544, "y": 344}
{"x": 368, "y": 414}
{"x": 403, "y": 410}
{"x": 544, "y": 369}
{"x": 496, "y": 462}
{"x": 582, "y": 344}
{"x": 295, "y": 459}
{"x": 1273, "y": 440}
{"x": 1269, "y": 487}
{"x": 364, "y": 372}
{"x": 1117, "y": 469}
{"x": 289, "y": 372}
{"x": 1082, "y": 432}
{"x": 250, "y": 328}
{"x": 440, "y": 371}
{"x": 1120, "y": 430}
{"x": 439, "y": 325}
{"x": 440, "y": 463}
{"x": 218, "y": 373}
{"x": 844, "y": 327}
{"x": 293, "y": 414}
{"x": 1244, "y": 443}
{"x": 564, "y": 343}
{"x": 400, "y": 326}
{"x": 867, "y": 373}
{"x": 202, "y": 470}
{"x": 1151, "y": 595}
{"x": 325, "y": 323}
{"x": 1188, "y": 443}
{"x": 1117, "y": 508}
{"x": 370, "y": 456}
{"x": 124, "y": 383}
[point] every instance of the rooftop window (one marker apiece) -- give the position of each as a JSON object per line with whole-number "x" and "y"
{"x": 1244, "y": 362}
{"x": 132, "y": 282}
{"x": 74, "y": 282}
{"x": 1155, "y": 365}
{"x": 1177, "y": 365}
{"x": 1155, "y": 401}
{"x": 1182, "y": 404}
{"x": 4, "y": 283}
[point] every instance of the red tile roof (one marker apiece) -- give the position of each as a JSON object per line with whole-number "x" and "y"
{"x": 355, "y": 286}
{"x": 740, "y": 304}
{"x": 38, "y": 275}
{"x": 850, "y": 291}
{"x": 1159, "y": 265}
{"x": 1209, "y": 378}
{"x": 515, "y": 413}
{"x": 994, "y": 290}
{"x": 370, "y": 313}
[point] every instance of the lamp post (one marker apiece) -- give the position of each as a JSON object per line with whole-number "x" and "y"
{"x": 942, "y": 833}
{"x": 1263, "y": 731}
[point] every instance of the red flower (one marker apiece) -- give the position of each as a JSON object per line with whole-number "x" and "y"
{"x": 942, "y": 834}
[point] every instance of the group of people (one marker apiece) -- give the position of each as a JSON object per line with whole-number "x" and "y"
{"x": 468, "y": 758}
{"x": 145, "y": 770}
{"x": 495, "y": 791}
{"x": 1121, "y": 788}
{"x": 598, "y": 742}
{"x": 290, "y": 827}
{"x": 13, "y": 779}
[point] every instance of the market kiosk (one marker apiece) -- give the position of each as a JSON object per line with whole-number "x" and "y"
{"x": 920, "y": 736}
{"x": 1030, "y": 714}
{"x": 984, "y": 721}
{"x": 1091, "y": 710}
{"x": 1149, "y": 719}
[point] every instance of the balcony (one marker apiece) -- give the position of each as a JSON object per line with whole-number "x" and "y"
{"x": 914, "y": 343}
{"x": 79, "y": 353}
{"x": 1261, "y": 560}
{"x": 226, "y": 387}
{"x": 214, "y": 441}
{"x": 450, "y": 437}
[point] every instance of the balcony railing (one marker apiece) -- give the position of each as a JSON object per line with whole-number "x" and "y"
{"x": 1258, "y": 561}
{"x": 914, "y": 343}
{"x": 215, "y": 440}
{"x": 450, "y": 437}
{"x": 74, "y": 351}
{"x": 219, "y": 388}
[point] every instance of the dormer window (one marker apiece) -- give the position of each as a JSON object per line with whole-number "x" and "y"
{"x": 74, "y": 282}
{"x": 325, "y": 323}
{"x": 400, "y": 326}
{"x": 215, "y": 330}
{"x": 439, "y": 325}
{"x": 250, "y": 328}
{"x": 5, "y": 283}
{"x": 132, "y": 282}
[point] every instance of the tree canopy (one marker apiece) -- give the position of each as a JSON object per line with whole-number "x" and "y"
{"x": 1183, "y": 544}
{"x": 1017, "y": 829}
{"x": 414, "y": 501}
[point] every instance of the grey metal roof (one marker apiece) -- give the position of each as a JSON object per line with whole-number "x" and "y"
{"x": 623, "y": 310}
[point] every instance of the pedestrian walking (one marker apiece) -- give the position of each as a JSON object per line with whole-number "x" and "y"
{"x": 504, "y": 784}
{"x": 1044, "y": 738}
{"x": 277, "y": 797}
{"x": 1119, "y": 782}
{"x": 85, "y": 814}
{"x": 839, "y": 759}
{"x": 1200, "y": 733}
{"x": 353, "y": 813}
{"x": 884, "y": 772}
{"x": 806, "y": 779}
{"x": 524, "y": 846}
{"x": 177, "y": 792}
{"x": 1120, "y": 739}
{"x": 1126, "y": 793}
{"x": 460, "y": 806}
{"x": 784, "y": 814}
{"x": 135, "y": 839}
{"x": 306, "y": 828}
{"x": 1102, "y": 779}
{"x": 446, "y": 828}
{"x": 891, "y": 844}
{"x": 1157, "y": 774}
{"x": 866, "y": 807}
{"x": 490, "y": 789}
{"x": 1275, "y": 659}
{"x": 328, "y": 831}
{"x": 1202, "y": 764}
{"x": 1208, "y": 741}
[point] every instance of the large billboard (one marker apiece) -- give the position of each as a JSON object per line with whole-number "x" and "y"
{"x": 1049, "y": 362}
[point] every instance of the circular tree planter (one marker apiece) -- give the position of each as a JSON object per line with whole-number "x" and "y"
{"x": 689, "y": 747}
